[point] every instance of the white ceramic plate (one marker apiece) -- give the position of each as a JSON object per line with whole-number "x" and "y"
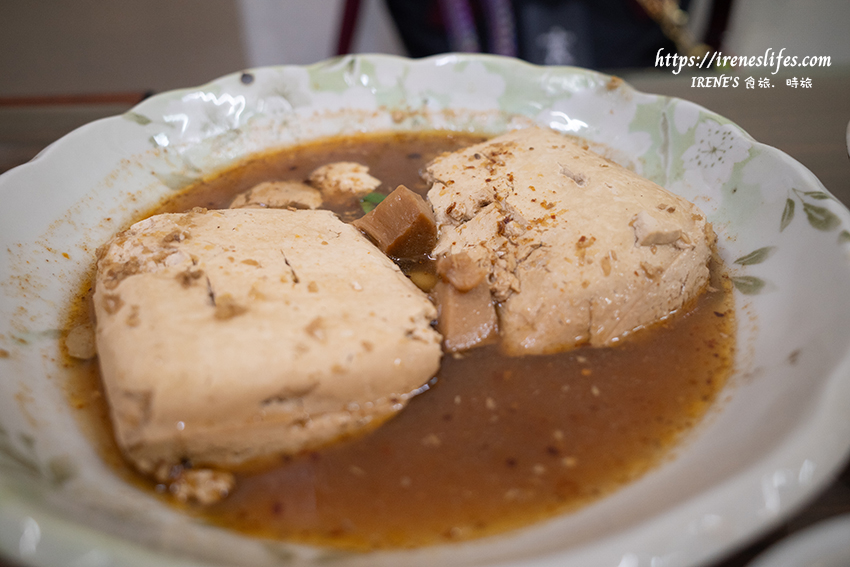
{"x": 780, "y": 433}
{"x": 826, "y": 544}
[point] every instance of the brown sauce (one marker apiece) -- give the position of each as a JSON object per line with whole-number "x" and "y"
{"x": 497, "y": 442}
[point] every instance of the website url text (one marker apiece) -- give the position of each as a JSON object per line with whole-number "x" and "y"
{"x": 772, "y": 59}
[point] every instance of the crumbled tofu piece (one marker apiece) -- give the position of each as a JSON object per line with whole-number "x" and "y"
{"x": 204, "y": 486}
{"x": 80, "y": 342}
{"x": 343, "y": 181}
{"x": 650, "y": 230}
{"x": 461, "y": 271}
{"x": 402, "y": 225}
{"x": 577, "y": 249}
{"x": 230, "y": 335}
{"x": 278, "y": 195}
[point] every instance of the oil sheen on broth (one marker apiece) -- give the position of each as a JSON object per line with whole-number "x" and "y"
{"x": 496, "y": 442}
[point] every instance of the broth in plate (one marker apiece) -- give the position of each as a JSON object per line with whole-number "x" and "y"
{"x": 496, "y": 442}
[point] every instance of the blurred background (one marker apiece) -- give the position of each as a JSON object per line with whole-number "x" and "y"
{"x": 64, "y": 63}
{"x": 61, "y": 47}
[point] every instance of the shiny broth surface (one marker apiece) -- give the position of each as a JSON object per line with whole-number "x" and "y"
{"x": 496, "y": 442}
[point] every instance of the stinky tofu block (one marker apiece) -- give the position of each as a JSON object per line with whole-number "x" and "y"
{"x": 577, "y": 249}
{"x": 230, "y": 335}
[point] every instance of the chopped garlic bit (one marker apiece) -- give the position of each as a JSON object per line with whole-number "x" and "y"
{"x": 80, "y": 342}
{"x": 204, "y": 486}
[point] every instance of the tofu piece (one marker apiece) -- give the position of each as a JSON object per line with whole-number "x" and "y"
{"x": 461, "y": 271}
{"x": 343, "y": 181}
{"x": 278, "y": 195}
{"x": 402, "y": 225}
{"x": 578, "y": 249}
{"x": 79, "y": 342}
{"x": 226, "y": 336}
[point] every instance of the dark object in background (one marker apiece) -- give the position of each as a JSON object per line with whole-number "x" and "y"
{"x": 420, "y": 26}
{"x": 599, "y": 34}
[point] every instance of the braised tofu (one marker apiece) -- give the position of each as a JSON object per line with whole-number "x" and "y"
{"x": 278, "y": 195}
{"x": 402, "y": 225}
{"x": 577, "y": 249}
{"x": 229, "y": 335}
{"x": 343, "y": 181}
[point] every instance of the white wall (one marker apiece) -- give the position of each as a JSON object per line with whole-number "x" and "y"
{"x": 96, "y": 46}
{"x": 376, "y": 31}
{"x": 291, "y": 32}
{"x": 802, "y": 27}
{"x": 305, "y": 31}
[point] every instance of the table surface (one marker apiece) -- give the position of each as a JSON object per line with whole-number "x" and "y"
{"x": 809, "y": 124}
